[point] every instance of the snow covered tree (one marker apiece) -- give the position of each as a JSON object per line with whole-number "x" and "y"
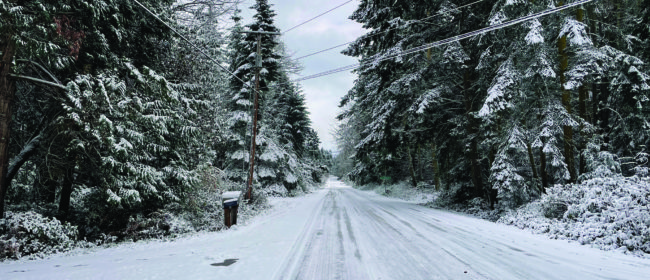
{"x": 68, "y": 38}
{"x": 622, "y": 93}
{"x": 243, "y": 58}
{"x": 130, "y": 113}
{"x": 517, "y": 96}
{"x": 283, "y": 162}
{"x": 564, "y": 82}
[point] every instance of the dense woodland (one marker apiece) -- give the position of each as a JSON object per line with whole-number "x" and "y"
{"x": 503, "y": 116}
{"x": 115, "y": 124}
{"x": 119, "y": 127}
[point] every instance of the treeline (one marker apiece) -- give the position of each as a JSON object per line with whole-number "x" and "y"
{"x": 110, "y": 117}
{"x": 503, "y": 115}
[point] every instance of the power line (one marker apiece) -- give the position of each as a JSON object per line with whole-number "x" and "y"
{"x": 448, "y": 40}
{"x": 304, "y": 22}
{"x": 329, "y": 72}
{"x": 388, "y": 30}
{"x": 322, "y": 51}
{"x": 194, "y": 46}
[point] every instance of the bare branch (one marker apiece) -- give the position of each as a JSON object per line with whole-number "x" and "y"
{"x": 36, "y": 80}
{"x": 42, "y": 69}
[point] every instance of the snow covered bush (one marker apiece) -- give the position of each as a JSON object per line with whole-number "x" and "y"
{"x": 203, "y": 201}
{"x": 275, "y": 190}
{"x": 30, "y": 233}
{"x": 611, "y": 213}
{"x": 158, "y": 224}
{"x": 246, "y": 211}
{"x": 642, "y": 168}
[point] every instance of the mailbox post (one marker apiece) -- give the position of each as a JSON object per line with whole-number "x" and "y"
{"x": 230, "y": 202}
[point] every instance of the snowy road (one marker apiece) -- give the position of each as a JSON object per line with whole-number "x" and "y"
{"x": 342, "y": 233}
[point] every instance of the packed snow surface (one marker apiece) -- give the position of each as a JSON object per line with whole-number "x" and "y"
{"x": 342, "y": 233}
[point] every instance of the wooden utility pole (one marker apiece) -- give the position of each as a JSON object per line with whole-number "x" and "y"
{"x": 256, "y": 105}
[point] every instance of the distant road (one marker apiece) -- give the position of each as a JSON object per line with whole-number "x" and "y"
{"x": 342, "y": 233}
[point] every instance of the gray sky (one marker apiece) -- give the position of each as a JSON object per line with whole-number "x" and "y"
{"x": 322, "y": 94}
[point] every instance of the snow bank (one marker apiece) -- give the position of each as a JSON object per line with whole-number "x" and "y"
{"x": 30, "y": 233}
{"x": 403, "y": 190}
{"x": 609, "y": 213}
{"x": 33, "y": 235}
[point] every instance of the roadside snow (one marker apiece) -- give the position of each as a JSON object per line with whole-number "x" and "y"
{"x": 342, "y": 233}
{"x": 608, "y": 213}
{"x": 261, "y": 244}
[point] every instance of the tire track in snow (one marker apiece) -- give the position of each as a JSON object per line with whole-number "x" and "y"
{"x": 328, "y": 252}
{"x": 397, "y": 254}
{"x": 299, "y": 246}
{"x": 358, "y": 235}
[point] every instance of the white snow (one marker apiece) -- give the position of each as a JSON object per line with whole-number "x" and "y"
{"x": 342, "y": 233}
{"x": 534, "y": 36}
{"x": 499, "y": 94}
{"x": 498, "y": 18}
{"x": 230, "y": 195}
{"x": 576, "y": 32}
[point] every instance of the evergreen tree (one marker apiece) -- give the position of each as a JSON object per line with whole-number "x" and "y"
{"x": 243, "y": 59}
{"x": 117, "y": 138}
{"x": 282, "y": 163}
{"x": 518, "y": 106}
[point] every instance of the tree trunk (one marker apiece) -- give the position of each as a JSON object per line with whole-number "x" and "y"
{"x": 582, "y": 112}
{"x": 583, "y": 90}
{"x": 50, "y": 190}
{"x": 531, "y": 160}
{"x": 569, "y": 156}
{"x": 472, "y": 131}
{"x": 66, "y": 191}
{"x": 25, "y": 154}
{"x": 419, "y": 158}
{"x": 436, "y": 167}
{"x": 7, "y": 92}
{"x": 414, "y": 179}
{"x": 542, "y": 169}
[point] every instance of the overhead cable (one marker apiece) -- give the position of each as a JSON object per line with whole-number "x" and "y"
{"x": 388, "y": 30}
{"x": 448, "y": 40}
{"x": 304, "y": 22}
{"x": 193, "y": 45}
{"x": 329, "y": 72}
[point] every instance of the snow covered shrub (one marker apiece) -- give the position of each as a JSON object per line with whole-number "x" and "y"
{"x": 158, "y": 224}
{"x": 642, "y": 168}
{"x": 554, "y": 209}
{"x": 554, "y": 203}
{"x": 611, "y": 213}
{"x": 30, "y": 233}
{"x": 600, "y": 163}
{"x": 275, "y": 190}
{"x": 246, "y": 211}
{"x": 203, "y": 201}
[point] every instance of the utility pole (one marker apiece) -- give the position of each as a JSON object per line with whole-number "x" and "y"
{"x": 256, "y": 105}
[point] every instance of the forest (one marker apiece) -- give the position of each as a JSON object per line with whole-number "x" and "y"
{"x": 543, "y": 124}
{"x": 501, "y": 116}
{"x": 127, "y": 119}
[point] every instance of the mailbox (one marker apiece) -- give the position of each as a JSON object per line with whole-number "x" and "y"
{"x": 230, "y": 202}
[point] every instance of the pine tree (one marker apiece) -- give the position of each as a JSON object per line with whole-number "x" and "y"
{"x": 281, "y": 161}
{"x": 243, "y": 61}
{"x": 118, "y": 132}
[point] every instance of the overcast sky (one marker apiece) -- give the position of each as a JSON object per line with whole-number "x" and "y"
{"x": 322, "y": 94}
